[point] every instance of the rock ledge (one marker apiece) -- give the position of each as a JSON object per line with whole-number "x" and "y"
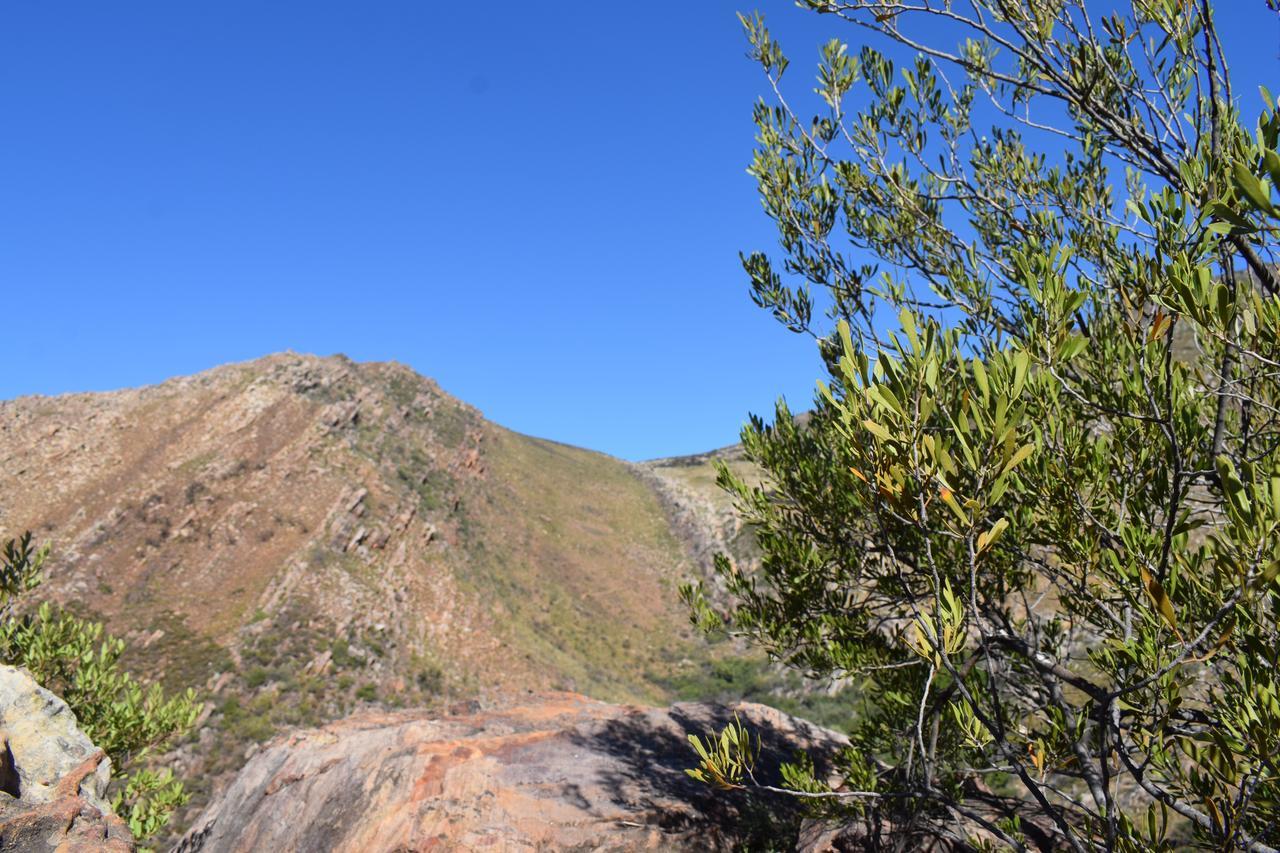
{"x": 562, "y": 772}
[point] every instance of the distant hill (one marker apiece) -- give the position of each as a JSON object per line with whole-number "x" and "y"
{"x": 297, "y": 537}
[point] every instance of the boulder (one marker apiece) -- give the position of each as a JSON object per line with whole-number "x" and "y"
{"x": 53, "y": 780}
{"x": 560, "y": 773}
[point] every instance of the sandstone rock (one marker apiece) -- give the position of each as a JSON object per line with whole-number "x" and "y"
{"x": 564, "y": 772}
{"x": 53, "y": 780}
{"x": 65, "y": 823}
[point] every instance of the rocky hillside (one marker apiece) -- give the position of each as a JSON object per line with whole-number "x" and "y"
{"x": 296, "y": 500}
{"x": 300, "y": 537}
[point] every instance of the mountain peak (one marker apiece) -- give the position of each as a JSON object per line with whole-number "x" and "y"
{"x": 299, "y": 535}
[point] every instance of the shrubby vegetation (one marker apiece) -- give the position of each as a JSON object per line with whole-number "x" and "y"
{"x": 76, "y": 660}
{"x": 1036, "y": 512}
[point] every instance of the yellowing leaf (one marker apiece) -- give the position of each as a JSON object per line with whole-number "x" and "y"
{"x": 1213, "y": 813}
{"x": 950, "y": 500}
{"x": 987, "y": 539}
{"x": 1159, "y": 323}
{"x": 1217, "y": 647}
{"x": 877, "y": 430}
{"x": 1019, "y": 456}
{"x": 1160, "y": 598}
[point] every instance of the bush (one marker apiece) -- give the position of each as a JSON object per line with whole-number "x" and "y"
{"x": 76, "y": 660}
{"x": 1037, "y": 507}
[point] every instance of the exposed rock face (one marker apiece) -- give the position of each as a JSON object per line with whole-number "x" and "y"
{"x": 563, "y": 773}
{"x": 53, "y": 780}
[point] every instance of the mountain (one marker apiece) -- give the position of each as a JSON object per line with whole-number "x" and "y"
{"x": 343, "y": 499}
{"x": 298, "y": 537}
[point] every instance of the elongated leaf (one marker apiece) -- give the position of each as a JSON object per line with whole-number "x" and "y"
{"x": 1019, "y": 456}
{"x": 1224, "y": 212}
{"x": 987, "y": 539}
{"x": 1221, "y": 641}
{"x": 1160, "y": 598}
{"x": 950, "y": 500}
{"x": 1268, "y": 575}
{"x": 877, "y": 430}
{"x": 1272, "y": 161}
{"x": 980, "y": 378}
{"x": 1072, "y": 347}
{"x": 883, "y": 395}
{"x": 1020, "y": 363}
{"x": 1252, "y": 188}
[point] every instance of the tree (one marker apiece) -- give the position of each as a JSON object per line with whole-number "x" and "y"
{"x": 74, "y": 658}
{"x": 1036, "y": 510}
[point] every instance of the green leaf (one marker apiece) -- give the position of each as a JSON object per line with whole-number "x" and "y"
{"x": 846, "y": 339}
{"x": 1225, "y": 212}
{"x": 908, "y": 321}
{"x": 1271, "y": 160}
{"x": 1072, "y": 347}
{"x": 980, "y": 378}
{"x": 1020, "y": 363}
{"x": 1268, "y": 575}
{"x": 881, "y": 394}
{"x": 1224, "y": 304}
{"x": 1252, "y": 187}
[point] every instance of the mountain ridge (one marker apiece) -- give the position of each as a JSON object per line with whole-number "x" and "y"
{"x": 297, "y": 537}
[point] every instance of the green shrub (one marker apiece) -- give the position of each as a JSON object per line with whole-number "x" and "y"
{"x": 75, "y": 659}
{"x": 257, "y": 677}
{"x": 1036, "y": 510}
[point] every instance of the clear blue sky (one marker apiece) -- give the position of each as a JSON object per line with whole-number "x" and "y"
{"x": 538, "y": 204}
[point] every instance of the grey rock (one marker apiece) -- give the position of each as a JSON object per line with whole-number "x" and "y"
{"x": 53, "y": 780}
{"x": 45, "y": 741}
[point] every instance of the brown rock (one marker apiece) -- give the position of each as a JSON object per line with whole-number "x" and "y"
{"x": 564, "y": 772}
{"x": 66, "y": 823}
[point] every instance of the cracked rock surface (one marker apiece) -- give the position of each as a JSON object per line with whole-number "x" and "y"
{"x": 561, "y": 772}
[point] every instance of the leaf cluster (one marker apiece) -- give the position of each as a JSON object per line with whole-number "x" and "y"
{"x": 77, "y": 660}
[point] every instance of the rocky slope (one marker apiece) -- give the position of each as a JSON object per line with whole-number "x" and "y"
{"x": 349, "y": 500}
{"x": 559, "y": 773}
{"x": 300, "y": 537}
{"x": 701, "y": 513}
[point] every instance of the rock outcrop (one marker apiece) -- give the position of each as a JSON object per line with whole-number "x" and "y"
{"x": 561, "y": 773}
{"x": 53, "y": 780}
